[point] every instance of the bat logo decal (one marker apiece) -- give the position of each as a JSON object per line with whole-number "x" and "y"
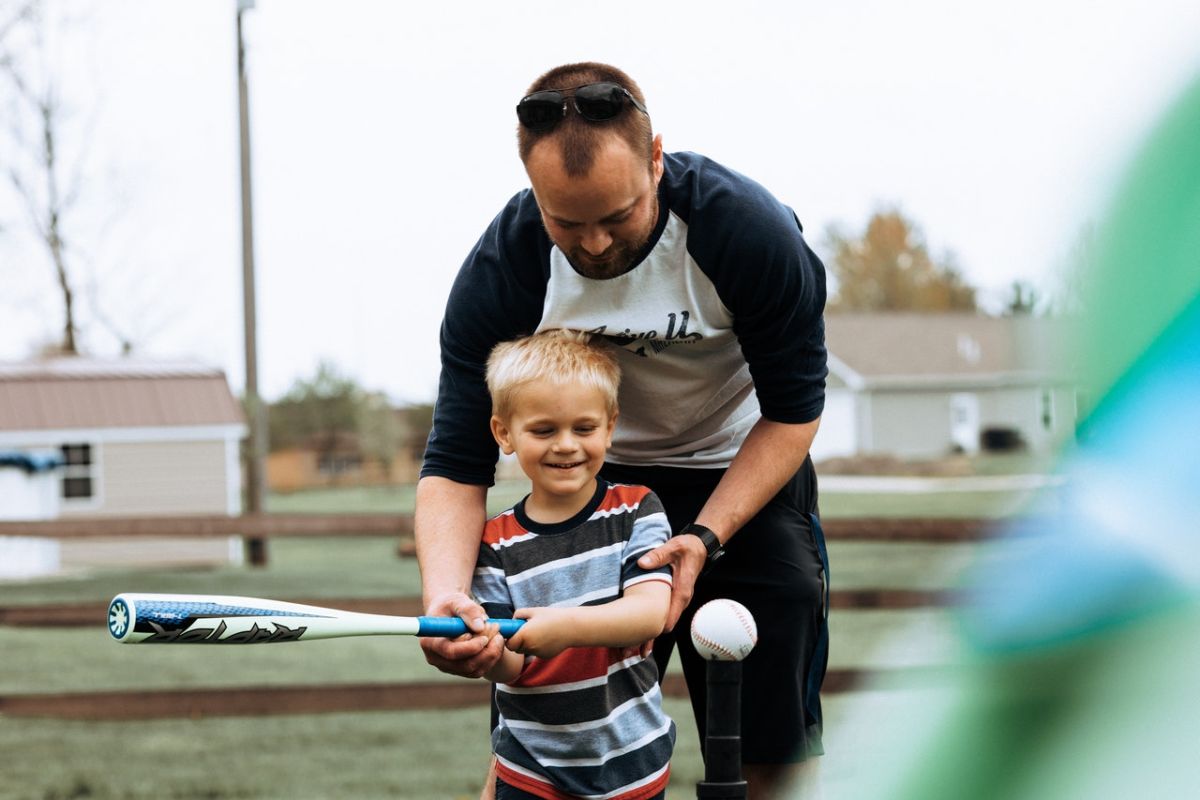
{"x": 253, "y": 635}
{"x": 118, "y": 618}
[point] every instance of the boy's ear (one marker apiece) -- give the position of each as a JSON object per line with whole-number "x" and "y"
{"x": 612, "y": 426}
{"x": 501, "y": 435}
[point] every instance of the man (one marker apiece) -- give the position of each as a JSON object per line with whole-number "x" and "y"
{"x": 704, "y": 283}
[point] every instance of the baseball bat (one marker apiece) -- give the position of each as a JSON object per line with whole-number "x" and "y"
{"x": 226, "y": 619}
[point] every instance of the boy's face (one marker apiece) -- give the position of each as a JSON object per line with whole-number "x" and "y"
{"x": 560, "y": 434}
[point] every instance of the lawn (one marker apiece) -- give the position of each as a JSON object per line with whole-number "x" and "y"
{"x": 415, "y": 754}
{"x": 971, "y": 504}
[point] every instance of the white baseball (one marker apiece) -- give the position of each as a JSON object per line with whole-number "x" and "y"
{"x": 723, "y": 630}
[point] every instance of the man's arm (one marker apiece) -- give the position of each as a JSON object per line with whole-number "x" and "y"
{"x": 771, "y": 454}
{"x": 448, "y": 523}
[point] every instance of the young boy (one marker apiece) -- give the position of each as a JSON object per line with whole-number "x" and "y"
{"x": 580, "y": 708}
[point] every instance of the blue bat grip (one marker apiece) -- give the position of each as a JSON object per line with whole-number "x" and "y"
{"x": 454, "y": 626}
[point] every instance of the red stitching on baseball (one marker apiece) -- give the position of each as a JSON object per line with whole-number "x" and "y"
{"x": 720, "y": 648}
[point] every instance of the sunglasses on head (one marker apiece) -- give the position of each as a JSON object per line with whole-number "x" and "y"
{"x": 595, "y": 102}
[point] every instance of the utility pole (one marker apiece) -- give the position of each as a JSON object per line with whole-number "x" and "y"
{"x": 256, "y": 548}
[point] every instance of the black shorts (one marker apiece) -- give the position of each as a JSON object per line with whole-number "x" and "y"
{"x": 777, "y": 567}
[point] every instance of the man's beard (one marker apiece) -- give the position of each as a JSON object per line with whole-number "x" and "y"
{"x": 618, "y": 259}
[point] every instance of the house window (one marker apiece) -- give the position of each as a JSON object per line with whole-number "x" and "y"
{"x": 78, "y": 479}
{"x": 1047, "y": 409}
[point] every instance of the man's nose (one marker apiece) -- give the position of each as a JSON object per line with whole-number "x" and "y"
{"x": 596, "y": 241}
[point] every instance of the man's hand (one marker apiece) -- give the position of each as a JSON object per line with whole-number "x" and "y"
{"x": 470, "y": 655}
{"x": 686, "y": 555}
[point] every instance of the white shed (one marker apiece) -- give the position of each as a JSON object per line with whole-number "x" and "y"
{"x": 128, "y": 438}
{"x": 135, "y": 438}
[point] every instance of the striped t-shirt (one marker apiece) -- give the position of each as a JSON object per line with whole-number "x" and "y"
{"x": 588, "y": 722}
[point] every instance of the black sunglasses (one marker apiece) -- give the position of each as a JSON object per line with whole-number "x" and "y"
{"x": 595, "y": 102}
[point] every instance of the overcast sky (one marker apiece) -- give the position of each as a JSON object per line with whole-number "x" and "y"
{"x": 384, "y": 143}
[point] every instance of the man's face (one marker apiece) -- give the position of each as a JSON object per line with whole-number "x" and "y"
{"x": 601, "y": 220}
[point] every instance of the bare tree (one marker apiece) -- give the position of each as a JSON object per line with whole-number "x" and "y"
{"x": 46, "y": 183}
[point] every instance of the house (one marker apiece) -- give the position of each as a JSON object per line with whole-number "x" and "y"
{"x": 135, "y": 438}
{"x": 126, "y": 438}
{"x": 925, "y": 385}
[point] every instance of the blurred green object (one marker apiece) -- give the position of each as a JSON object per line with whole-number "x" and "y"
{"x": 1084, "y": 673}
{"x": 1146, "y": 266}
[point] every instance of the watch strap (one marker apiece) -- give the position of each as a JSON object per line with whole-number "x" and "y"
{"x": 711, "y": 543}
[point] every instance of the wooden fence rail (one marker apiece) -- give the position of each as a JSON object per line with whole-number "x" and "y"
{"x": 272, "y": 700}
{"x": 919, "y": 529}
{"x": 249, "y": 525}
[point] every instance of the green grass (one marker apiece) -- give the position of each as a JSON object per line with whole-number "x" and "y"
{"x": 43, "y": 660}
{"x": 418, "y": 754}
{"x": 411, "y": 755}
{"x": 87, "y": 659}
{"x": 965, "y": 505}
{"x": 982, "y": 504}
{"x": 381, "y": 499}
{"x": 301, "y": 567}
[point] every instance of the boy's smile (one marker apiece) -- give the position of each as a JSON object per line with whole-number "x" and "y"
{"x": 560, "y": 434}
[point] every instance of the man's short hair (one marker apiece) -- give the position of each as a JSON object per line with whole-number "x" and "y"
{"x": 578, "y": 139}
{"x": 557, "y": 356}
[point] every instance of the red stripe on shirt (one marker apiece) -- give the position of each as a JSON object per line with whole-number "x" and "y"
{"x": 572, "y": 665}
{"x": 502, "y": 527}
{"x": 619, "y": 495}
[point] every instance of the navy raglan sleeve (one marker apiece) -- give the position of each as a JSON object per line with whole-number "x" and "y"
{"x": 497, "y": 296}
{"x": 753, "y": 249}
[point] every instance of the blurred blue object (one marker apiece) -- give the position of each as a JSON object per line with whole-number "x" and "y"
{"x": 30, "y": 463}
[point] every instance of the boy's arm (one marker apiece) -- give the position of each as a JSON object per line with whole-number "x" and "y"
{"x": 629, "y": 621}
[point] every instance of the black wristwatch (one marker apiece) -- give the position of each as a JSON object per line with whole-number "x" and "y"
{"x": 711, "y": 543}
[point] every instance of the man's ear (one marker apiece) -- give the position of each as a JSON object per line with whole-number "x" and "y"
{"x": 502, "y": 436}
{"x": 656, "y": 158}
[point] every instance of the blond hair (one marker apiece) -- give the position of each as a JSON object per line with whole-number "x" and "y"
{"x": 555, "y": 356}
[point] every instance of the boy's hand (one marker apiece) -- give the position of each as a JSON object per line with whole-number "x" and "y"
{"x": 545, "y": 634}
{"x": 470, "y": 655}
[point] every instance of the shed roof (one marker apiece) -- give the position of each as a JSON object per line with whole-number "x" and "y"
{"x": 83, "y": 393}
{"x": 898, "y": 347}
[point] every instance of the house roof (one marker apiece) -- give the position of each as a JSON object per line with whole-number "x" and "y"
{"x": 953, "y": 348}
{"x": 82, "y": 393}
